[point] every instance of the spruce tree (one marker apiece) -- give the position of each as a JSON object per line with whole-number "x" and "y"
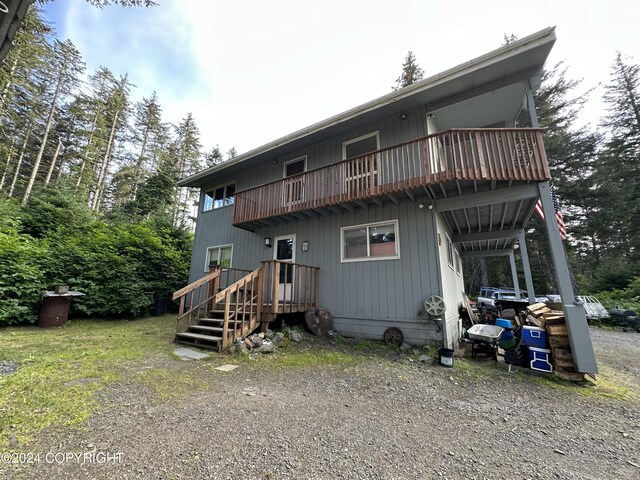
{"x": 411, "y": 72}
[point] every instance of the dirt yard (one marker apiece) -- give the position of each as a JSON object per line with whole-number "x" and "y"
{"x": 381, "y": 416}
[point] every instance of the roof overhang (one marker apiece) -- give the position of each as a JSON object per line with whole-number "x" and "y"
{"x": 521, "y": 60}
{"x": 11, "y": 18}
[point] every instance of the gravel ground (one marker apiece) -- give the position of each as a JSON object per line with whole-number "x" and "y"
{"x": 378, "y": 420}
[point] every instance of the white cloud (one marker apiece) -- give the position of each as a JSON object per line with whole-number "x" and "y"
{"x": 254, "y": 71}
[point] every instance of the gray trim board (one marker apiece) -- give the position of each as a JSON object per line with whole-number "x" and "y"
{"x": 487, "y": 253}
{"x": 483, "y": 236}
{"x": 501, "y": 195}
{"x": 575, "y": 316}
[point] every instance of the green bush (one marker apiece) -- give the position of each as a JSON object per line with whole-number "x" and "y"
{"x": 628, "y": 298}
{"x": 54, "y": 209}
{"x": 121, "y": 268}
{"x": 21, "y": 278}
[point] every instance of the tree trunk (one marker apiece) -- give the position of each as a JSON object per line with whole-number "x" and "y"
{"x": 105, "y": 164}
{"x": 7, "y": 163}
{"x": 53, "y": 162}
{"x": 86, "y": 151}
{"x": 5, "y": 90}
{"x": 24, "y": 147}
{"x": 138, "y": 166}
{"x": 45, "y": 137}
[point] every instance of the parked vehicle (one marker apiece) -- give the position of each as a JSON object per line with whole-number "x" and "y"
{"x": 625, "y": 318}
{"x": 488, "y": 296}
{"x": 593, "y": 308}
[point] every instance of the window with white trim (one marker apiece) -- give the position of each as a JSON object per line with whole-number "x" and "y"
{"x": 362, "y": 171}
{"x": 219, "y": 256}
{"x": 219, "y": 197}
{"x": 293, "y": 188}
{"x": 373, "y": 241}
{"x": 449, "y": 252}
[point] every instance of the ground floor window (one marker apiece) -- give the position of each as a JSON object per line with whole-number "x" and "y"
{"x": 373, "y": 241}
{"x": 219, "y": 256}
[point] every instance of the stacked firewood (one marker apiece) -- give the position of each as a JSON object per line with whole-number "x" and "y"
{"x": 540, "y": 315}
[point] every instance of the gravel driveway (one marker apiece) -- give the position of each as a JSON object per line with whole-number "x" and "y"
{"x": 380, "y": 418}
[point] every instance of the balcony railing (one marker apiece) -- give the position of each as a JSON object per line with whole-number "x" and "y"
{"x": 457, "y": 154}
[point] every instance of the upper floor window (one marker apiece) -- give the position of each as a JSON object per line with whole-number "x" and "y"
{"x": 219, "y": 197}
{"x": 293, "y": 188}
{"x": 361, "y": 145}
{"x": 361, "y": 173}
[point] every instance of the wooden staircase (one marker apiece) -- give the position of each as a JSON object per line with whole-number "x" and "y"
{"x": 228, "y": 304}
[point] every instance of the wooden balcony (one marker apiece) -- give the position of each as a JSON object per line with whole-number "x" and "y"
{"x": 457, "y": 155}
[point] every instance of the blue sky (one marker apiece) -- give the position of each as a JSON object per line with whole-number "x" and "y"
{"x": 252, "y": 71}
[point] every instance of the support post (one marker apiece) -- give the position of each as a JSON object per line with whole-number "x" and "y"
{"x": 514, "y": 274}
{"x": 528, "y": 280}
{"x": 575, "y": 317}
{"x": 531, "y": 106}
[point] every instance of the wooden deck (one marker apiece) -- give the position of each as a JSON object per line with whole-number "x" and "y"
{"x": 228, "y": 304}
{"x": 515, "y": 154}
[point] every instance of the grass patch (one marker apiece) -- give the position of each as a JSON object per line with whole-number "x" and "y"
{"x": 476, "y": 369}
{"x": 61, "y": 370}
{"x": 171, "y": 385}
{"x": 301, "y": 358}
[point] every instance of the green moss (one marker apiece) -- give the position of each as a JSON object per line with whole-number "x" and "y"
{"x": 302, "y": 357}
{"x": 61, "y": 370}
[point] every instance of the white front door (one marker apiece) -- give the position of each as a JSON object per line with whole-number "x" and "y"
{"x": 285, "y": 251}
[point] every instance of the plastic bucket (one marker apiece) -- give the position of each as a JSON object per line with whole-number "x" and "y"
{"x": 445, "y": 357}
{"x": 507, "y": 341}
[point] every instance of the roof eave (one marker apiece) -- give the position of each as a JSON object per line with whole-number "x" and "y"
{"x": 534, "y": 40}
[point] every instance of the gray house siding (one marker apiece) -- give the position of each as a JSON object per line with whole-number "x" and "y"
{"x": 392, "y": 131}
{"x": 365, "y": 297}
{"x": 452, "y": 284}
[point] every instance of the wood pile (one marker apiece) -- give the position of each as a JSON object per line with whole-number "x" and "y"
{"x": 553, "y": 322}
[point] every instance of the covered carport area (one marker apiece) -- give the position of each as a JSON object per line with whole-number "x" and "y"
{"x": 492, "y": 223}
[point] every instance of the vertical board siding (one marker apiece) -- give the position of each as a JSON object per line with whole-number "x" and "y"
{"x": 452, "y": 286}
{"x": 365, "y": 298}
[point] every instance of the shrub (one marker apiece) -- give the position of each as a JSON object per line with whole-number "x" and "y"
{"x": 21, "y": 278}
{"x": 121, "y": 268}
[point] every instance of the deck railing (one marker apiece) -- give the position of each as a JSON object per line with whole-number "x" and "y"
{"x": 289, "y": 287}
{"x": 457, "y": 154}
{"x": 197, "y": 298}
{"x": 242, "y": 302}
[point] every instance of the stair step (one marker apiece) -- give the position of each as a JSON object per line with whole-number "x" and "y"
{"x": 208, "y": 346}
{"x": 205, "y": 328}
{"x": 217, "y": 321}
{"x": 198, "y": 336}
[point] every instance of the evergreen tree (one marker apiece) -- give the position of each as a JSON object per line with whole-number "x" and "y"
{"x": 213, "y": 157}
{"x": 187, "y": 149}
{"x": 66, "y": 67}
{"x": 411, "y": 72}
{"x": 619, "y": 164}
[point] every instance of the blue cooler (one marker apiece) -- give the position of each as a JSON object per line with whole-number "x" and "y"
{"x": 534, "y": 337}
{"x": 503, "y": 322}
{"x": 540, "y": 359}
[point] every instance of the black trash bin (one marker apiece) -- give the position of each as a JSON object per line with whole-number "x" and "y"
{"x": 161, "y": 306}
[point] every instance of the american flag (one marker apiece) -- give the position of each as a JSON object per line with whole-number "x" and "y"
{"x": 559, "y": 218}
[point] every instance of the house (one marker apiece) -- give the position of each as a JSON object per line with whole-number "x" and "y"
{"x": 12, "y": 13}
{"x": 368, "y": 213}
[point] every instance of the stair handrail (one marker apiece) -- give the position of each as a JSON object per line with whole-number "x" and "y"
{"x": 211, "y": 281}
{"x": 255, "y": 278}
